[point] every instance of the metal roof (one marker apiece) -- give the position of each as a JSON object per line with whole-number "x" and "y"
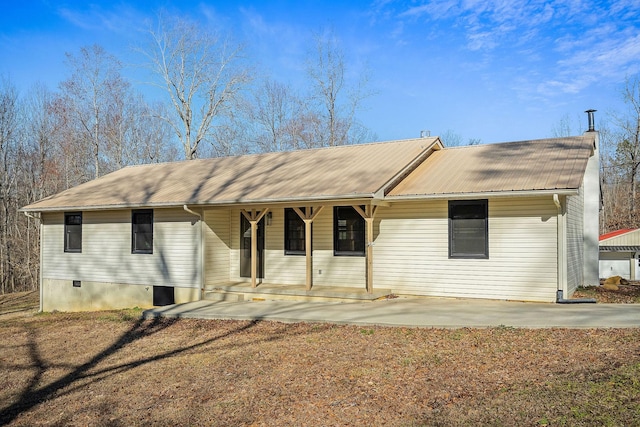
{"x": 546, "y": 164}
{"x": 352, "y": 171}
{"x": 620, "y": 238}
{"x": 616, "y": 233}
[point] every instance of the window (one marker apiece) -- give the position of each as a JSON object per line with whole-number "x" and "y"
{"x": 294, "y": 242}
{"x": 142, "y": 231}
{"x": 468, "y": 229}
{"x": 73, "y": 232}
{"x": 348, "y": 231}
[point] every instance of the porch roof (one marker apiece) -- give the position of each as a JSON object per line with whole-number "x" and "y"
{"x": 344, "y": 172}
{"x": 538, "y": 165}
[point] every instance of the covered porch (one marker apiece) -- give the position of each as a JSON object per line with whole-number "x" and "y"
{"x": 291, "y": 250}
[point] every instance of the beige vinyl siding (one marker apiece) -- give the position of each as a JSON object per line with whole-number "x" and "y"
{"x": 281, "y": 268}
{"x": 347, "y": 271}
{"x": 328, "y": 270}
{"x": 217, "y": 246}
{"x": 575, "y": 241}
{"x": 411, "y": 251}
{"x": 106, "y": 250}
{"x": 234, "y": 254}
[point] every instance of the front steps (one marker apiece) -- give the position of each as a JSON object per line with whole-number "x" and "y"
{"x": 267, "y": 292}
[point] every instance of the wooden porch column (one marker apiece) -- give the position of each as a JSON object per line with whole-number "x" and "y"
{"x": 254, "y": 253}
{"x": 308, "y": 216}
{"x": 254, "y": 218}
{"x": 308, "y": 254}
{"x": 368, "y": 215}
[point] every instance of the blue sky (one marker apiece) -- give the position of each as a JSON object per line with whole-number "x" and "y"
{"x": 497, "y": 70}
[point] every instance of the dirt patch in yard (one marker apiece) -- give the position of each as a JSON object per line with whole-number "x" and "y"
{"x": 112, "y": 368}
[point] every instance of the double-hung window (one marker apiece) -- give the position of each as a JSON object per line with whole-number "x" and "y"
{"x": 294, "y": 238}
{"x": 348, "y": 232}
{"x": 142, "y": 231}
{"x": 73, "y": 232}
{"x": 468, "y": 229}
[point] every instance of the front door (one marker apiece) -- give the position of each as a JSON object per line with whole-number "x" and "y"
{"x": 245, "y": 247}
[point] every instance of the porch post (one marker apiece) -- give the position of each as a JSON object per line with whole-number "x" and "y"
{"x": 308, "y": 253}
{"x": 308, "y": 216}
{"x": 254, "y": 218}
{"x": 368, "y": 215}
{"x": 254, "y": 253}
{"x": 369, "y": 222}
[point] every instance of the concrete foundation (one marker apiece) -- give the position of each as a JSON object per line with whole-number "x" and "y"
{"x": 65, "y": 295}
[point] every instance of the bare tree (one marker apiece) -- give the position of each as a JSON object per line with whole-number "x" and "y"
{"x": 628, "y": 136}
{"x": 8, "y": 152}
{"x": 20, "y": 183}
{"x": 41, "y": 143}
{"x": 152, "y": 137}
{"x": 307, "y": 129}
{"x": 275, "y": 109}
{"x": 49, "y": 142}
{"x": 93, "y": 88}
{"x": 562, "y": 128}
{"x": 451, "y": 138}
{"x": 201, "y": 73}
{"x": 133, "y": 132}
{"x": 74, "y": 154}
{"x": 119, "y": 121}
{"x": 338, "y": 100}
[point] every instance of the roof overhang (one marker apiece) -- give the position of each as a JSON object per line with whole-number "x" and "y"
{"x": 324, "y": 200}
{"x": 485, "y": 195}
{"x": 620, "y": 248}
{"x": 333, "y": 200}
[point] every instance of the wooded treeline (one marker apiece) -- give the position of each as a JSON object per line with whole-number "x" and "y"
{"x": 620, "y": 162}
{"x": 214, "y": 104}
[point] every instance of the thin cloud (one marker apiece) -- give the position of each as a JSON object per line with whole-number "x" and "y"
{"x": 83, "y": 20}
{"x": 609, "y": 59}
{"x": 567, "y": 45}
{"x": 119, "y": 20}
{"x": 282, "y": 43}
{"x": 436, "y": 10}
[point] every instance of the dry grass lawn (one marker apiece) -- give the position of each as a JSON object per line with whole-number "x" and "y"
{"x": 111, "y": 368}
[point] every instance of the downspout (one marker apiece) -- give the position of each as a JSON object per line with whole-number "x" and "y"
{"x": 186, "y": 208}
{"x": 192, "y": 212}
{"x": 40, "y": 290}
{"x": 562, "y": 278}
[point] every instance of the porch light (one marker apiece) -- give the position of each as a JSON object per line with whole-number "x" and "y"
{"x": 269, "y": 217}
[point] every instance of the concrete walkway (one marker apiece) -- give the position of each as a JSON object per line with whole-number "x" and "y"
{"x": 419, "y": 312}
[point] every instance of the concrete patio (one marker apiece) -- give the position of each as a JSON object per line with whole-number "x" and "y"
{"x": 415, "y": 312}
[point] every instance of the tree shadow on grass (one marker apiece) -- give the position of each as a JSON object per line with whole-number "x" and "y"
{"x": 33, "y": 394}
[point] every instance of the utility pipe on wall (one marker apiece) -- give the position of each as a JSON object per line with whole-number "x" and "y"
{"x": 562, "y": 261}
